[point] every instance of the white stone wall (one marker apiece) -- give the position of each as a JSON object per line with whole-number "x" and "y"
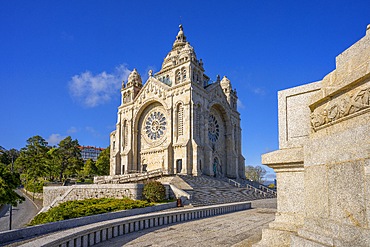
{"x": 54, "y": 195}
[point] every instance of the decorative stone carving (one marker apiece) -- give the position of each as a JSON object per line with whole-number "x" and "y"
{"x": 155, "y": 125}
{"x": 213, "y": 129}
{"x": 344, "y": 105}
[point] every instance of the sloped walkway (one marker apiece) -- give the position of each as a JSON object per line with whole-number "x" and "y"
{"x": 240, "y": 229}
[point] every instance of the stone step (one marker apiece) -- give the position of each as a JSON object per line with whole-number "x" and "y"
{"x": 209, "y": 191}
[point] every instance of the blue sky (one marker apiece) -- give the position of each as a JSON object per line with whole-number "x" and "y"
{"x": 62, "y": 62}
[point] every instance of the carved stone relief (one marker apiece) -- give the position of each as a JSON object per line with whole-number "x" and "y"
{"x": 345, "y": 105}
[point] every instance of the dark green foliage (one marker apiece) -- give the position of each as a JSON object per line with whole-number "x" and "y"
{"x": 102, "y": 163}
{"x": 154, "y": 191}
{"x": 34, "y": 186}
{"x": 75, "y": 209}
{"x": 70, "y": 157}
{"x": 8, "y": 157}
{"x": 89, "y": 168}
{"x": 8, "y": 183}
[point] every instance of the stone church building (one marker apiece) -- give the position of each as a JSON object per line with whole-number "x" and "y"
{"x": 178, "y": 121}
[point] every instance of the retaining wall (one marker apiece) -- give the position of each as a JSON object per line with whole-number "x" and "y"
{"x": 92, "y": 234}
{"x": 32, "y": 231}
{"x": 54, "y": 195}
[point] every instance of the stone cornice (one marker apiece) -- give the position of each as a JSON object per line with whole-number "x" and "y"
{"x": 285, "y": 159}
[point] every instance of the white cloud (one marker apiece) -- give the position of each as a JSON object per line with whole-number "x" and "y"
{"x": 259, "y": 91}
{"x": 72, "y": 130}
{"x": 54, "y": 139}
{"x": 240, "y": 104}
{"x": 93, "y": 90}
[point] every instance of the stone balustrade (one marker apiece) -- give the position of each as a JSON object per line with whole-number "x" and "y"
{"x": 33, "y": 231}
{"x": 92, "y": 234}
{"x": 263, "y": 190}
{"x": 128, "y": 178}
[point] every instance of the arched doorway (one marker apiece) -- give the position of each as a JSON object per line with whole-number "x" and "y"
{"x": 217, "y": 168}
{"x": 218, "y": 139}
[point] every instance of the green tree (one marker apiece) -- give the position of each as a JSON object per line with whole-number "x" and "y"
{"x": 70, "y": 157}
{"x": 102, "y": 163}
{"x": 8, "y": 157}
{"x": 9, "y": 181}
{"x": 32, "y": 160}
{"x": 255, "y": 173}
{"x": 53, "y": 163}
{"x": 89, "y": 168}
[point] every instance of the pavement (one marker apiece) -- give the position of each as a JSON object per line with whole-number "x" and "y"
{"x": 21, "y": 214}
{"x": 239, "y": 229}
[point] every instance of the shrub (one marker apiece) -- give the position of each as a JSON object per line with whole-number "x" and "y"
{"x": 75, "y": 209}
{"x": 154, "y": 191}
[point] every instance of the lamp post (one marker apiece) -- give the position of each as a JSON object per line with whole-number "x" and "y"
{"x": 11, "y": 207}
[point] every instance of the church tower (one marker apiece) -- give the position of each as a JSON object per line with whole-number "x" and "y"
{"x": 178, "y": 121}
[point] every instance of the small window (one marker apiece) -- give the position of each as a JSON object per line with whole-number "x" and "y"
{"x": 178, "y": 78}
{"x": 178, "y": 165}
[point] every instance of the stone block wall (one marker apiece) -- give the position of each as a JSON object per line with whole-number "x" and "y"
{"x": 54, "y": 195}
{"x": 324, "y": 175}
{"x": 58, "y": 194}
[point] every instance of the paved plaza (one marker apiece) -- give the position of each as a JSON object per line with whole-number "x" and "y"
{"x": 235, "y": 229}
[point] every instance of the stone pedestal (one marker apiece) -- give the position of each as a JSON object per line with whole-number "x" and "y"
{"x": 288, "y": 165}
{"x": 330, "y": 170}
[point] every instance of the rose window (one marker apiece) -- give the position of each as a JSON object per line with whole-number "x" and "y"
{"x": 155, "y": 125}
{"x": 213, "y": 129}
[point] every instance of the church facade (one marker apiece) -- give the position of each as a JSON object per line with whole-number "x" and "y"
{"x": 178, "y": 121}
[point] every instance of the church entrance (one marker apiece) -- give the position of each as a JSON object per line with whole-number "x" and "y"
{"x": 217, "y": 169}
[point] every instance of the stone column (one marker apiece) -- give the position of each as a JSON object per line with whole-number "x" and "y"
{"x": 288, "y": 165}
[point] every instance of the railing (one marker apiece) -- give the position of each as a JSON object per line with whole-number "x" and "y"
{"x": 267, "y": 189}
{"x": 130, "y": 177}
{"x": 233, "y": 182}
{"x": 266, "y": 192}
{"x": 92, "y": 234}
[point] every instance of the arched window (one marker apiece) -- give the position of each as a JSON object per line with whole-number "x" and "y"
{"x": 128, "y": 97}
{"x": 178, "y": 77}
{"x": 125, "y": 134}
{"x": 167, "y": 79}
{"x": 235, "y": 138}
{"x": 184, "y": 74}
{"x": 197, "y": 122}
{"x": 180, "y": 120}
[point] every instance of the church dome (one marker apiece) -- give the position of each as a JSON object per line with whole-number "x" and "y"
{"x": 181, "y": 51}
{"x": 134, "y": 79}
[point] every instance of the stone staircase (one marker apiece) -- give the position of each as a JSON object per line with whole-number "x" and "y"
{"x": 208, "y": 191}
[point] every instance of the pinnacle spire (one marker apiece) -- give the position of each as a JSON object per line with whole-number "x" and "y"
{"x": 180, "y": 38}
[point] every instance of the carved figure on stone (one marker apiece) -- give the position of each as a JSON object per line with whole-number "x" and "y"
{"x": 345, "y": 105}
